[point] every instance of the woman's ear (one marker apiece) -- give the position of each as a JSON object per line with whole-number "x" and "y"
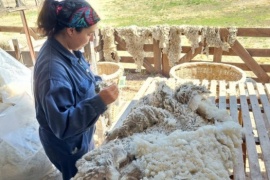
{"x": 70, "y": 31}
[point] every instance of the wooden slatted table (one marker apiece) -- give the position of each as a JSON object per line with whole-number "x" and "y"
{"x": 248, "y": 103}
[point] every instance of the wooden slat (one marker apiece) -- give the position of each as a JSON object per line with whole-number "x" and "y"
{"x": 267, "y": 88}
{"x": 129, "y": 59}
{"x": 261, "y": 129}
{"x": 254, "y": 166}
{"x": 190, "y": 55}
{"x": 253, "y": 32}
{"x": 213, "y": 89}
{"x": 205, "y": 83}
{"x": 238, "y": 168}
{"x": 222, "y": 95}
{"x": 249, "y": 61}
{"x": 255, "y": 52}
{"x": 265, "y": 102}
{"x": 147, "y": 65}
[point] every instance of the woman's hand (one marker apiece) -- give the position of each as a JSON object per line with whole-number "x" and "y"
{"x": 109, "y": 94}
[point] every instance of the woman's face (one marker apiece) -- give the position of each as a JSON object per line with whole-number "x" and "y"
{"x": 79, "y": 39}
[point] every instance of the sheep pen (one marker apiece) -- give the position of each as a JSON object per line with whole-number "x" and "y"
{"x": 172, "y": 133}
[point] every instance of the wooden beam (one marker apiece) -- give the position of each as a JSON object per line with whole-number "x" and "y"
{"x": 247, "y": 58}
{"x": 165, "y": 65}
{"x": 16, "y": 49}
{"x": 157, "y": 56}
{"x": 190, "y": 55}
{"x": 28, "y": 38}
{"x": 253, "y": 32}
{"x": 19, "y": 29}
{"x": 249, "y": 61}
{"x": 217, "y": 54}
{"x": 149, "y": 68}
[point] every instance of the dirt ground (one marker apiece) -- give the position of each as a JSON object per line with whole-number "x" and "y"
{"x": 134, "y": 81}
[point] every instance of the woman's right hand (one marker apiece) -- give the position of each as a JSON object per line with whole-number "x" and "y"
{"x": 109, "y": 94}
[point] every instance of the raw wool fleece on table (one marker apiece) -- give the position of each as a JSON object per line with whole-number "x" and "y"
{"x": 172, "y": 134}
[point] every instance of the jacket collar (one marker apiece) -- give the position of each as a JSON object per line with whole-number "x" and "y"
{"x": 62, "y": 50}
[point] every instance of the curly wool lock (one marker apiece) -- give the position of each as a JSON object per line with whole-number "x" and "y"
{"x": 135, "y": 39}
{"x": 109, "y": 46}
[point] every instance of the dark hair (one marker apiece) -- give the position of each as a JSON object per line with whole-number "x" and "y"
{"x": 54, "y": 15}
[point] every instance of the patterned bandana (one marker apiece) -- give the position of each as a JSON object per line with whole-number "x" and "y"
{"x": 82, "y": 18}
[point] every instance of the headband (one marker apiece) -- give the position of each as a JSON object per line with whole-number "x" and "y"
{"x": 82, "y": 18}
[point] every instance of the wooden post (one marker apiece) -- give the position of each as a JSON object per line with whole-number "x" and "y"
{"x": 28, "y": 38}
{"x": 16, "y": 49}
{"x": 157, "y": 56}
{"x": 87, "y": 52}
{"x": 165, "y": 65}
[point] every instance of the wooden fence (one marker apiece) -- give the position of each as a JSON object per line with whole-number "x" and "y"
{"x": 253, "y": 60}
{"x": 248, "y": 57}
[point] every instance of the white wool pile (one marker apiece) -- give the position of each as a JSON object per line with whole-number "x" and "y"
{"x": 135, "y": 38}
{"x": 109, "y": 46}
{"x": 171, "y": 134}
{"x": 21, "y": 152}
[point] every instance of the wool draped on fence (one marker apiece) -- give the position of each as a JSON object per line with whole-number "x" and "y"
{"x": 157, "y": 49}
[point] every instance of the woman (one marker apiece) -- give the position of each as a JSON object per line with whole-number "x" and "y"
{"x": 66, "y": 101}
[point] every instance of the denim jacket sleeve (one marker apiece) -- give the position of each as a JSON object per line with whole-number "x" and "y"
{"x": 66, "y": 117}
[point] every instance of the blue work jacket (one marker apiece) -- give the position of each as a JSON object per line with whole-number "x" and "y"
{"x": 67, "y": 106}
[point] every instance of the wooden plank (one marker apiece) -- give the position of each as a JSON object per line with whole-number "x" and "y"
{"x": 28, "y": 38}
{"x": 129, "y": 59}
{"x": 260, "y": 126}
{"x": 157, "y": 56}
{"x": 213, "y": 89}
{"x": 267, "y": 88}
{"x": 165, "y": 66}
{"x": 238, "y": 167}
{"x": 87, "y": 52}
{"x": 249, "y": 61}
{"x": 16, "y": 48}
{"x": 253, "y": 32}
{"x": 217, "y": 54}
{"x": 249, "y": 138}
{"x": 190, "y": 55}
{"x": 127, "y": 109}
{"x": 265, "y": 102}
{"x": 222, "y": 95}
{"x": 149, "y": 68}
{"x": 205, "y": 83}
{"x": 257, "y": 52}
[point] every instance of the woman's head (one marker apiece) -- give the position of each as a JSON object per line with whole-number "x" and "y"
{"x": 57, "y": 15}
